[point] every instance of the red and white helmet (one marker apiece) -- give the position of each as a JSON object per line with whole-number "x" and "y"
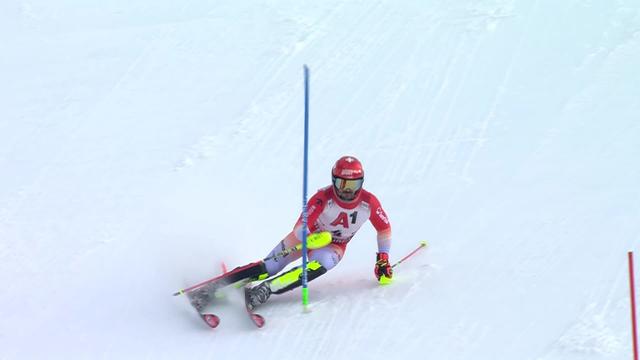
{"x": 347, "y": 177}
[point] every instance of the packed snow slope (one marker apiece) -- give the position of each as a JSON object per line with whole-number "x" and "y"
{"x": 142, "y": 143}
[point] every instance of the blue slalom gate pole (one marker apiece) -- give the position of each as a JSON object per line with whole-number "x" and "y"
{"x": 305, "y": 289}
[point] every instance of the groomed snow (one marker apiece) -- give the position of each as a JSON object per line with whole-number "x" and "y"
{"x": 142, "y": 143}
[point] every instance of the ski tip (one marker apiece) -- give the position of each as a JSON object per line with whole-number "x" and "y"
{"x": 258, "y": 320}
{"x": 212, "y": 320}
{"x": 423, "y": 243}
{"x": 385, "y": 280}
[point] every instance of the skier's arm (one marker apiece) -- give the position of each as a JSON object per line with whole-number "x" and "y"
{"x": 315, "y": 206}
{"x": 381, "y": 223}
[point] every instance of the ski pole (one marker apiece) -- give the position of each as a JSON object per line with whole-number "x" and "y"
{"x": 384, "y": 280}
{"x": 314, "y": 241}
{"x": 634, "y": 330}
{"x": 423, "y": 244}
{"x": 183, "y": 291}
{"x": 284, "y": 253}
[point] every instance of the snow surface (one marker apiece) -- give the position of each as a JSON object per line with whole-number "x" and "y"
{"x": 142, "y": 143}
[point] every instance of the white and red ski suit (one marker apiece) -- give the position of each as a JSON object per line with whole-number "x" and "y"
{"x": 326, "y": 212}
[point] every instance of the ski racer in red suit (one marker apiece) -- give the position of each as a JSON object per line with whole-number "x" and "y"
{"x": 341, "y": 209}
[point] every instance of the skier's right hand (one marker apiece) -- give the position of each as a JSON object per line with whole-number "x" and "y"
{"x": 383, "y": 267}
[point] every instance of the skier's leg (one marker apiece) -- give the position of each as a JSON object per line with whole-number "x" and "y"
{"x": 274, "y": 266}
{"x": 203, "y": 296}
{"x": 320, "y": 261}
{"x": 328, "y": 256}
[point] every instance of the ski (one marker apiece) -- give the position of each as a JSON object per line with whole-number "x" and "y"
{"x": 251, "y": 270}
{"x": 212, "y": 320}
{"x": 257, "y": 269}
{"x": 257, "y": 319}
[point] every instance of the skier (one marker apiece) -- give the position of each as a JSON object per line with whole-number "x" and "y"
{"x": 341, "y": 209}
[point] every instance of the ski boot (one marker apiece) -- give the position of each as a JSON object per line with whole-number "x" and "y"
{"x": 257, "y": 295}
{"x": 201, "y": 297}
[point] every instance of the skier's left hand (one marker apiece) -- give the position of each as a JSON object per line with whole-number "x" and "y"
{"x": 383, "y": 268}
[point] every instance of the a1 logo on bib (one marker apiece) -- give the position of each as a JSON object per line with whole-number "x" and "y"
{"x": 343, "y": 219}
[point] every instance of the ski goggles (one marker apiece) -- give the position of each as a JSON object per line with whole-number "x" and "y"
{"x": 348, "y": 184}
